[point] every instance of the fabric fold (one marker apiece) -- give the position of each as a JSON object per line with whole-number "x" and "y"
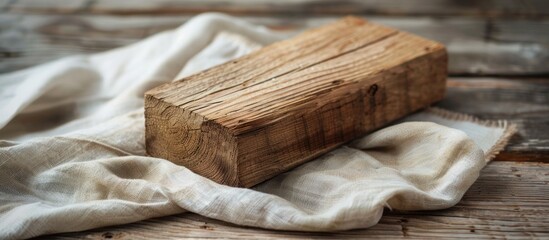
{"x": 72, "y": 148}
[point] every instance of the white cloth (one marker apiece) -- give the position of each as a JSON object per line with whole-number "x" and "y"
{"x": 73, "y": 154}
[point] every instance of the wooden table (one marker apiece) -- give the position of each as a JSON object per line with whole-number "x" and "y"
{"x": 499, "y": 69}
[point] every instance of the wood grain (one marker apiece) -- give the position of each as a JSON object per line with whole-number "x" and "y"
{"x": 294, "y": 100}
{"x": 510, "y": 200}
{"x": 475, "y": 46}
{"x": 501, "y": 8}
{"x": 492, "y": 9}
{"x": 518, "y": 31}
{"x": 53, "y": 6}
{"x": 524, "y": 102}
{"x": 499, "y": 38}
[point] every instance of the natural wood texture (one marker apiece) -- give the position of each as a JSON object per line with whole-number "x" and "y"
{"x": 58, "y": 6}
{"x": 289, "y": 102}
{"x": 519, "y": 31}
{"x": 493, "y": 9}
{"x": 499, "y": 38}
{"x": 498, "y": 8}
{"x": 510, "y": 200}
{"x": 475, "y": 46}
{"x": 524, "y": 102}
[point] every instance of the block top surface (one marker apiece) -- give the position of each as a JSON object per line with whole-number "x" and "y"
{"x": 294, "y": 76}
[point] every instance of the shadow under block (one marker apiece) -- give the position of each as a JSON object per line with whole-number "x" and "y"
{"x": 245, "y": 121}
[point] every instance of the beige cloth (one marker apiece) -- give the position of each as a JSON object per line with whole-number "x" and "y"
{"x": 73, "y": 155}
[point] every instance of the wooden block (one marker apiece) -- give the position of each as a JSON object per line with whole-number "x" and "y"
{"x": 247, "y": 120}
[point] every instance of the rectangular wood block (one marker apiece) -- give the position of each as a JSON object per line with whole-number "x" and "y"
{"x": 247, "y": 120}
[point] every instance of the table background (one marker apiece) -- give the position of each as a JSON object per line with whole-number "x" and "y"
{"x": 499, "y": 69}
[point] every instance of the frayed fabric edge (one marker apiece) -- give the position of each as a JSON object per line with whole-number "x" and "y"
{"x": 509, "y": 129}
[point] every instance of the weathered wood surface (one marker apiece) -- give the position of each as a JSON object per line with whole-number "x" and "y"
{"x": 524, "y": 102}
{"x": 498, "y": 38}
{"x": 289, "y": 102}
{"x": 499, "y": 8}
{"x": 510, "y": 200}
{"x": 475, "y": 46}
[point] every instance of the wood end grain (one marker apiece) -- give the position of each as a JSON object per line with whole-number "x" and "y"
{"x": 252, "y": 118}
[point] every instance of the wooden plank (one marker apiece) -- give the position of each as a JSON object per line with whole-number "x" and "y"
{"x": 473, "y": 48}
{"x": 493, "y": 9}
{"x": 524, "y": 102}
{"x": 519, "y": 31}
{"x": 50, "y": 6}
{"x": 29, "y": 40}
{"x": 283, "y": 105}
{"x": 33, "y": 39}
{"x": 509, "y": 200}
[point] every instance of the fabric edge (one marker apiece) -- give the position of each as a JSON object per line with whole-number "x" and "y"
{"x": 509, "y": 129}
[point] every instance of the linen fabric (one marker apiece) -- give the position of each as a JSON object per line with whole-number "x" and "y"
{"x": 72, "y": 154}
